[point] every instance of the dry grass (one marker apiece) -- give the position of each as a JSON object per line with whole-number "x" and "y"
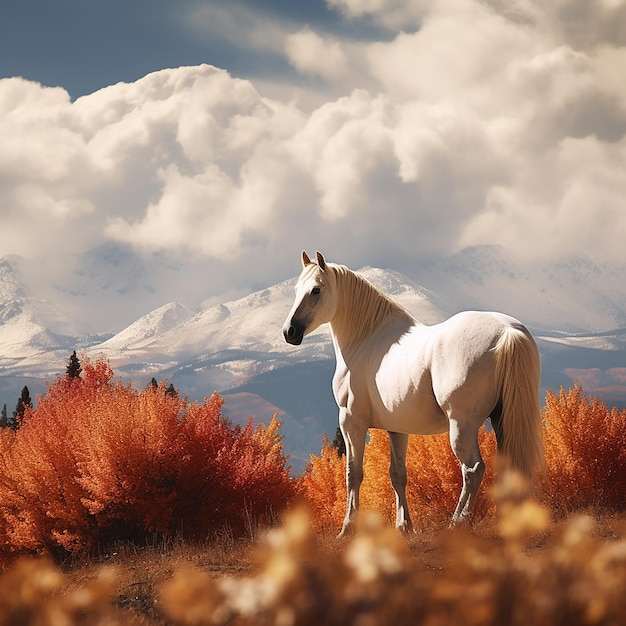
{"x": 137, "y": 573}
{"x": 516, "y": 568}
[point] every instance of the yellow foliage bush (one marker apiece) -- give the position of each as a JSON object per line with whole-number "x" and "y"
{"x": 374, "y": 578}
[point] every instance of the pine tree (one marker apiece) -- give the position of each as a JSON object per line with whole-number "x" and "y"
{"x": 171, "y": 390}
{"x": 153, "y": 384}
{"x": 22, "y": 404}
{"x": 4, "y": 418}
{"x": 73, "y": 369}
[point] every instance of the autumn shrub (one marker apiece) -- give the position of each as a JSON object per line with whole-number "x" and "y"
{"x": 585, "y": 467}
{"x": 585, "y": 447}
{"x": 433, "y": 480}
{"x": 98, "y": 461}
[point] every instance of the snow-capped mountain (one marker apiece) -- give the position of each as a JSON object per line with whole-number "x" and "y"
{"x": 236, "y": 348}
{"x": 251, "y": 324}
{"x": 147, "y": 328}
{"x": 27, "y": 326}
{"x": 576, "y": 311}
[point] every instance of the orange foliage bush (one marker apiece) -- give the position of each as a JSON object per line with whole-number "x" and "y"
{"x": 98, "y": 461}
{"x": 585, "y": 446}
{"x": 433, "y": 485}
{"x": 585, "y": 451}
{"x": 323, "y": 486}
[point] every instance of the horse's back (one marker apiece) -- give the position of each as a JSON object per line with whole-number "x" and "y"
{"x": 472, "y": 332}
{"x": 463, "y": 360}
{"x": 410, "y": 380}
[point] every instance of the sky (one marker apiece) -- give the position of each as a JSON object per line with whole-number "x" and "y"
{"x": 232, "y": 134}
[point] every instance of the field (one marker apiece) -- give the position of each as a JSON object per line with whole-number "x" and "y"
{"x": 516, "y": 568}
{"x": 136, "y": 507}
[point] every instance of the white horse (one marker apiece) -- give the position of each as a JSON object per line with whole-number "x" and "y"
{"x": 398, "y": 375}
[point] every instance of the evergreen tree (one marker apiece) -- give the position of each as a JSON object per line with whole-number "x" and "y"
{"x": 4, "y": 418}
{"x": 171, "y": 390}
{"x": 339, "y": 443}
{"x": 153, "y": 383}
{"x": 23, "y": 403}
{"x": 73, "y": 368}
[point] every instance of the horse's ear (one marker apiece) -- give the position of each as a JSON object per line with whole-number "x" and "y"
{"x": 305, "y": 259}
{"x": 320, "y": 260}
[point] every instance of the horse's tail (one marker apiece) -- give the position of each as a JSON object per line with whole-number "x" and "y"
{"x": 518, "y": 429}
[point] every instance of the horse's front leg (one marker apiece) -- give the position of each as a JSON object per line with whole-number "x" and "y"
{"x": 354, "y": 434}
{"x": 397, "y": 472}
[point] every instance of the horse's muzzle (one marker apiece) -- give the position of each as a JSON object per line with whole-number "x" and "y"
{"x": 294, "y": 333}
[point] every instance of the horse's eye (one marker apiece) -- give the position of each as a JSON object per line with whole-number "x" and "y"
{"x": 315, "y": 291}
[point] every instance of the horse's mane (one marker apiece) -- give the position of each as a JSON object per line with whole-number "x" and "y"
{"x": 365, "y": 308}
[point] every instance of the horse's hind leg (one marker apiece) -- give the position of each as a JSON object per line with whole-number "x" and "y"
{"x": 464, "y": 442}
{"x": 397, "y": 473}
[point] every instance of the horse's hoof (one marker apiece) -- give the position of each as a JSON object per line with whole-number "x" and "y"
{"x": 347, "y": 531}
{"x": 406, "y": 529}
{"x": 462, "y": 521}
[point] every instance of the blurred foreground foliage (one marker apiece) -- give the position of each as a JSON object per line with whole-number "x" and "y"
{"x": 526, "y": 570}
{"x": 375, "y": 578}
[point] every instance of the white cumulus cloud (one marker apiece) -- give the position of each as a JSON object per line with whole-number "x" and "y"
{"x": 312, "y": 54}
{"x": 470, "y": 123}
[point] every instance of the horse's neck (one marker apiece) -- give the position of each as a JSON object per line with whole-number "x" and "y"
{"x": 361, "y": 309}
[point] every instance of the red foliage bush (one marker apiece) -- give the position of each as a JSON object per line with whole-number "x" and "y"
{"x": 585, "y": 447}
{"x": 98, "y": 461}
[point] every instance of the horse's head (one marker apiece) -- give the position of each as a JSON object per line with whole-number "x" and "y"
{"x": 315, "y": 301}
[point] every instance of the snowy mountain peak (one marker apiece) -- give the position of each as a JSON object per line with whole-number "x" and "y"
{"x": 423, "y": 303}
{"x": 10, "y": 287}
{"x": 252, "y": 323}
{"x": 147, "y": 327}
{"x": 8, "y": 279}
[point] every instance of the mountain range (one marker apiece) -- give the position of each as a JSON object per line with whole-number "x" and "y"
{"x": 575, "y": 308}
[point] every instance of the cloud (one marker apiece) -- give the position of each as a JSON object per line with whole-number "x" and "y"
{"x": 244, "y": 25}
{"x": 44, "y": 171}
{"x": 340, "y": 147}
{"x": 185, "y": 160}
{"x": 476, "y": 122}
{"x": 312, "y": 54}
{"x": 225, "y": 176}
{"x": 396, "y": 14}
